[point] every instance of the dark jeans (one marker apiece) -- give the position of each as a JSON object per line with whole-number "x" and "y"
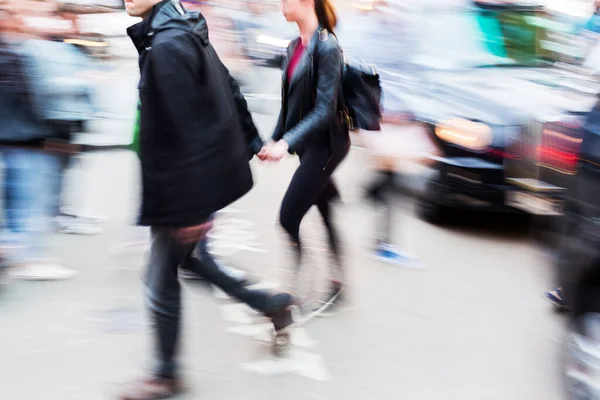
{"x": 164, "y": 292}
{"x": 312, "y": 185}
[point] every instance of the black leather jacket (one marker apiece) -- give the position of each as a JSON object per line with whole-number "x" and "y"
{"x": 310, "y": 111}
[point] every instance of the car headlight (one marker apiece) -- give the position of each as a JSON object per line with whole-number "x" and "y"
{"x": 272, "y": 41}
{"x": 462, "y": 132}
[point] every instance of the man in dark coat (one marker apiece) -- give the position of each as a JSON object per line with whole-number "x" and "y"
{"x": 196, "y": 138}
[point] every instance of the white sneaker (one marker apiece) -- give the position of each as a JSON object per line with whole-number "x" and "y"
{"x": 92, "y": 219}
{"x": 41, "y": 271}
{"x": 76, "y": 227}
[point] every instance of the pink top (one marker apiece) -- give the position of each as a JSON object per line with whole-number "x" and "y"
{"x": 294, "y": 60}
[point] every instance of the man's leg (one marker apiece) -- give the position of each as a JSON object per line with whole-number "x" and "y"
{"x": 202, "y": 265}
{"x": 164, "y": 301}
{"x": 209, "y": 270}
{"x": 201, "y": 252}
{"x": 164, "y": 297}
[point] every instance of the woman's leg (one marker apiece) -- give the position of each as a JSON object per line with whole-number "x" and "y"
{"x": 324, "y": 204}
{"x": 308, "y": 184}
{"x": 333, "y": 298}
{"x": 312, "y": 185}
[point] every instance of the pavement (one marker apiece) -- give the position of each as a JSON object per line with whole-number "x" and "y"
{"x": 469, "y": 323}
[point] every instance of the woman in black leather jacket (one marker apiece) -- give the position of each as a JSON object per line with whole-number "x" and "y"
{"x": 311, "y": 124}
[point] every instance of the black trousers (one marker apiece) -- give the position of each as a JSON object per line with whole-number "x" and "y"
{"x": 312, "y": 185}
{"x": 163, "y": 292}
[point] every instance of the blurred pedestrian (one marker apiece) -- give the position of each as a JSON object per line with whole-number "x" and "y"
{"x": 391, "y": 149}
{"x": 30, "y": 162}
{"x": 194, "y": 162}
{"x": 65, "y": 99}
{"x": 311, "y": 125}
{"x": 593, "y": 23}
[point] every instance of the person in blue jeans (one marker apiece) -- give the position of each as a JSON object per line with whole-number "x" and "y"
{"x": 28, "y": 167}
{"x": 593, "y": 23}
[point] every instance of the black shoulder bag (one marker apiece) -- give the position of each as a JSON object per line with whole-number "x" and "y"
{"x": 361, "y": 94}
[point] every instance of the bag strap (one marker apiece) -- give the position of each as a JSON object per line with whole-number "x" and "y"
{"x": 342, "y": 108}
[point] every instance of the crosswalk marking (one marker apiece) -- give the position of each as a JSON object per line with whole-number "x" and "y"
{"x": 230, "y": 236}
{"x": 298, "y": 361}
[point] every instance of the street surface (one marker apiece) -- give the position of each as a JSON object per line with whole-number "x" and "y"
{"x": 470, "y": 323}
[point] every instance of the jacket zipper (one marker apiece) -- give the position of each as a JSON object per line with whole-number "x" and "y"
{"x": 283, "y": 105}
{"x": 301, "y": 103}
{"x": 312, "y": 69}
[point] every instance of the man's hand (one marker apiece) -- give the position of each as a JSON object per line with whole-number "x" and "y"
{"x": 193, "y": 234}
{"x": 277, "y": 150}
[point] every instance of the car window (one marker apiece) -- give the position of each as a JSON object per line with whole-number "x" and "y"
{"x": 450, "y": 40}
{"x": 456, "y": 40}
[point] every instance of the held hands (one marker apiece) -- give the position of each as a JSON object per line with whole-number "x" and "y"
{"x": 273, "y": 151}
{"x": 262, "y": 154}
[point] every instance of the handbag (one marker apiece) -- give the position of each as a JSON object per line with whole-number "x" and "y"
{"x": 361, "y": 93}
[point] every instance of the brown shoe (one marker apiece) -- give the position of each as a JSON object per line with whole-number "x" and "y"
{"x": 153, "y": 388}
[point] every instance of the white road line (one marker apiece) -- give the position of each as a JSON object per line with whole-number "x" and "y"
{"x": 232, "y": 235}
{"x": 297, "y": 361}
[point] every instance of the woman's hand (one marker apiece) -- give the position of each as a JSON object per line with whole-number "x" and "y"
{"x": 262, "y": 154}
{"x": 277, "y": 150}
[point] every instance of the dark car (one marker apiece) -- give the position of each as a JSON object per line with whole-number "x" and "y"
{"x": 504, "y": 118}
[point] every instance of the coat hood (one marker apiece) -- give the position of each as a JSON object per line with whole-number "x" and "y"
{"x": 169, "y": 14}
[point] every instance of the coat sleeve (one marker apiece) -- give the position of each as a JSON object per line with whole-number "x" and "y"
{"x": 253, "y": 139}
{"x": 278, "y": 131}
{"x": 326, "y": 101}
